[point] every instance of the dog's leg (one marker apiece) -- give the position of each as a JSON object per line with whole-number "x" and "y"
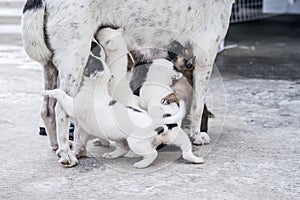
{"x": 182, "y": 140}
{"x": 121, "y": 149}
{"x": 48, "y": 105}
{"x": 81, "y": 139}
{"x": 70, "y": 66}
{"x": 143, "y": 148}
{"x": 201, "y": 75}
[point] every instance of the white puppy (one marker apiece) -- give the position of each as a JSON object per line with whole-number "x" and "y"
{"x": 97, "y": 114}
{"x": 157, "y": 86}
{"x": 117, "y": 56}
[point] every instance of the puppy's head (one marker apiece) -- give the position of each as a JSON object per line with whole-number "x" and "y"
{"x": 162, "y": 71}
{"x": 112, "y": 40}
{"x": 182, "y": 57}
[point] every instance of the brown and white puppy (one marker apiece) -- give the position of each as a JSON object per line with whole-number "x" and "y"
{"x": 184, "y": 62}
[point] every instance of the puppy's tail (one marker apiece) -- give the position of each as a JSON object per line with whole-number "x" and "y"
{"x": 33, "y": 31}
{"x": 177, "y": 118}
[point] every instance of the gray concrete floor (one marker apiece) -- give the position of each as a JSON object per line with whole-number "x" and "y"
{"x": 255, "y": 149}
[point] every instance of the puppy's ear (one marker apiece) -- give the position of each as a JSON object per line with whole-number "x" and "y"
{"x": 173, "y": 56}
{"x": 175, "y": 50}
{"x": 111, "y": 46}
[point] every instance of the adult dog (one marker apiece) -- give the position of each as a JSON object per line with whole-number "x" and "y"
{"x": 57, "y": 34}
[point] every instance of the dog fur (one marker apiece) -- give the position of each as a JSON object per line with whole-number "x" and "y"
{"x": 57, "y": 33}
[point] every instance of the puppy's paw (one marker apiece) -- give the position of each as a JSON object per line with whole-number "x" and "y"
{"x": 101, "y": 142}
{"x": 131, "y": 154}
{"x": 170, "y": 98}
{"x": 141, "y": 164}
{"x": 201, "y": 139}
{"x": 49, "y": 93}
{"x": 112, "y": 155}
{"x": 199, "y": 160}
{"x": 54, "y": 147}
{"x": 67, "y": 158}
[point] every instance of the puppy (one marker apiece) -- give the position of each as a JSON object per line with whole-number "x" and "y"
{"x": 109, "y": 119}
{"x": 184, "y": 62}
{"x": 117, "y": 58}
{"x": 157, "y": 86}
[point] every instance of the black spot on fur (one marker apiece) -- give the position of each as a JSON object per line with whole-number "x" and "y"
{"x": 171, "y": 126}
{"x": 139, "y": 75}
{"x": 96, "y": 49}
{"x": 32, "y": 4}
{"x": 159, "y": 147}
{"x": 204, "y": 122}
{"x": 137, "y": 91}
{"x": 93, "y": 65}
{"x": 102, "y": 26}
{"x": 135, "y": 110}
{"x": 167, "y": 115}
{"x": 159, "y": 130}
{"x": 189, "y": 8}
{"x": 112, "y": 102}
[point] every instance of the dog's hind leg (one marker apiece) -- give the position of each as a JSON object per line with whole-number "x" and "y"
{"x": 48, "y": 105}
{"x": 70, "y": 65}
{"x": 121, "y": 149}
{"x": 143, "y": 148}
{"x": 182, "y": 140}
{"x": 202, "y": 73}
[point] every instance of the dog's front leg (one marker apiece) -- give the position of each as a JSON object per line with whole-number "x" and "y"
{"x": 201, "y": 76}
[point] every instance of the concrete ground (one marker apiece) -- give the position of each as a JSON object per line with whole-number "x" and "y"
{"x": 255, "y": 149}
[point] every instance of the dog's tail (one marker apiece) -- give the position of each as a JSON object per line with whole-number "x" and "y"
{"x": 33, "y": 31}
{"x": 177, "y": 118}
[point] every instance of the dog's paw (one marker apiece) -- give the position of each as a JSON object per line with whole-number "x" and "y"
{"x": 101, "y": 142}
{"x": 170, "y": 98}
{"x": 67, "y": 158}
{"x": 201, "y": 139}
{"x": 141, "y": 164}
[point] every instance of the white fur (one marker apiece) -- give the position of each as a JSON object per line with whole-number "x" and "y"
{"x": 71, "y": 24}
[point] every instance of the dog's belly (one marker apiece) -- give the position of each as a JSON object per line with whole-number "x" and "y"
{"x": 101, "y": 125}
